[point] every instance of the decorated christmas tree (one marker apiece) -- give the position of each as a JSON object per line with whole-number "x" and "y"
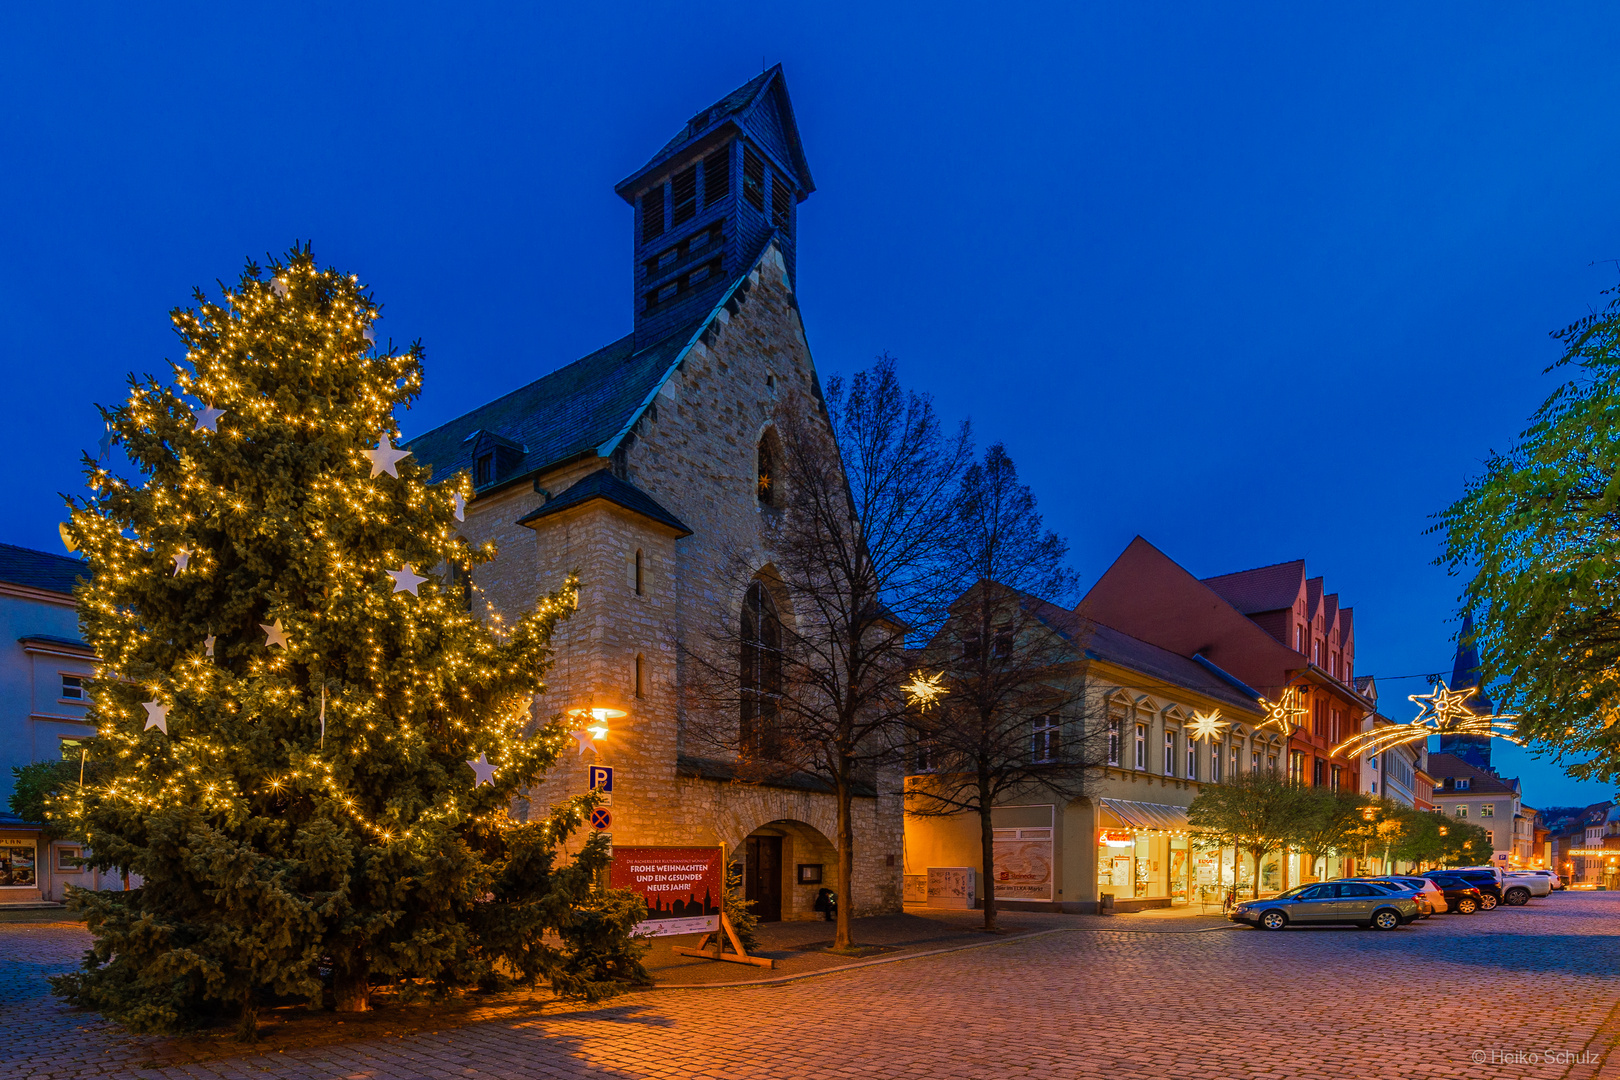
{"x": 307, "y": 744}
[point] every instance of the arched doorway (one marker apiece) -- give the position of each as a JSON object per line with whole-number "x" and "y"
{"x": 785, "y": 863}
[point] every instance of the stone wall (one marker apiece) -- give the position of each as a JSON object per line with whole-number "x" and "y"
{"x": 694, "y": 452}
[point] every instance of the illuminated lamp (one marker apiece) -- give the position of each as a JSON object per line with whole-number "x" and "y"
{"x": 595, "y": 716}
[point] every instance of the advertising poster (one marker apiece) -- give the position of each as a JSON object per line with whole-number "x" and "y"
{"x": 682, "y": 886}
{"x": 1023, "y": 864}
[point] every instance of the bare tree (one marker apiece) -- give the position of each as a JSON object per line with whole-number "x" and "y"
{"x": 860, "y": 544}
{"x": 1013, "y": 714}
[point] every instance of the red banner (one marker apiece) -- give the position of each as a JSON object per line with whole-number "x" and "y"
{"x": 682, "y": 886}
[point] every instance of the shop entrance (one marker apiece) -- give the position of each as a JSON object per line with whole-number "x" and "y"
{"x": 762, "y": 876}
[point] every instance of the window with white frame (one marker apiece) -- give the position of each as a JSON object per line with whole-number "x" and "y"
{"x": 1141, "y": 746}
{"x": 67, "y": 859}
{"x": 1487, "y": 810}
{"x": 1169, "y": 753}
{"x": 72, "y": 687}
{"x": 1236, "y": 755}
{"x": 1043, "y": 739}
{"x": 1192, "y": 759}
{"x": 1214, "y": 763}
{"x": 1462, "y": 810}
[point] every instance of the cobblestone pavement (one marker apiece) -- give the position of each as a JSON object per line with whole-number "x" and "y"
{"x": 1497, "y": 994}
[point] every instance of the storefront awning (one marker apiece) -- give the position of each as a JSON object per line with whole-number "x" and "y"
{"x": 1145, "y": 815}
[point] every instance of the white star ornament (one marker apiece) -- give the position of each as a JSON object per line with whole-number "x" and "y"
{"x": 483, "y": 770}
{"x": 157, "y": 716}
{"x": 406, "y": 579}
{"x": 274, "y": 634}
{"x": 386, "y": 457}
{"x": 207, "y": 419}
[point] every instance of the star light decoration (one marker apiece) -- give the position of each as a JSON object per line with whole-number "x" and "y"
{"x": 587, "y": 741}
{"x": 1208, "y": 726}
{"x": 274, "y": 634}
{"x": 1442, "y": 711}
{"x": 182, "y": 559}
{"x": 386, "y": 457}
{"x": 924, "y": 691}
{"x": 1281, "y": 713}
{"x": 460, "y": 501}
{"x": 208, "y": 645}
{"x": 106, "y": 444}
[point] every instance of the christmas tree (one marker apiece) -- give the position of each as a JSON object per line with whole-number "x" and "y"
{"x": 308, "y": 745}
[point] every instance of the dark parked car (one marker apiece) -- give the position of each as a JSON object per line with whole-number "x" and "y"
{"x": 1358, "y": 902}
{"x": 1459, "y": 895}
{"x": 1490, "y": 893}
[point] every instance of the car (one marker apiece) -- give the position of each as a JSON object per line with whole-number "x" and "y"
{"x": 1533, "y": 884}
{"x": 1490, "y": 893}
{"x": 1457, "y": 895}
{"x": 1495, "y": 871}
{"x": 1357, "y": 902}
{"x": 1554, "y": 883}
{"x": 1430, "y": 897}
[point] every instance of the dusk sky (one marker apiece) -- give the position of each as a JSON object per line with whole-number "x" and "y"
{"x": 1252, "y": 282}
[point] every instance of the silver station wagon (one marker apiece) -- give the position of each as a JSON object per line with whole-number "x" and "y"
{"x": 1330, "y": 902}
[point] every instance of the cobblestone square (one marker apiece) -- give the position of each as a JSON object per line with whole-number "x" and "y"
{"x": 1313, "y": 1004}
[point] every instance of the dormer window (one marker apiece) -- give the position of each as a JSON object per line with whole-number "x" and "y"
{"x": 483, "y": 469}
{"x": 1462, "y": 784}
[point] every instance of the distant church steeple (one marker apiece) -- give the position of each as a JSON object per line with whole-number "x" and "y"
{"x": 1474, "y": 749}
{"x": 710, "y": 200}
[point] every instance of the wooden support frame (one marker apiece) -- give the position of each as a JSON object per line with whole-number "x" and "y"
{"x": 718, "y": 950}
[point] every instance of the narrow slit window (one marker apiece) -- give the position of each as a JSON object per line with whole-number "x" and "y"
{"x": 652, "y": 214}
{"x": 753, "y": 179}
{"x": 640, "y": 578}
{"x": 717, "y": 175}
{"x": 641, "y": 677}
{"x": 684, "y": 194}
{"x": 781, "y": 204}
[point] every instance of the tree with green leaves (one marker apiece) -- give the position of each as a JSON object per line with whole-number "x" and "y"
{"x": 307, "y": 745}
{"x": 1258, "y": 811}
{"x": 1538, "y": 536}
{"x": 1330, "y": 822}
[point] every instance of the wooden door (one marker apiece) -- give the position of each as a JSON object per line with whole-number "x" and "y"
{"x": 762, "y": 879}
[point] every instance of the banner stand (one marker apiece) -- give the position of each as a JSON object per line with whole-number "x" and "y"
{"x": 718, "y": 952}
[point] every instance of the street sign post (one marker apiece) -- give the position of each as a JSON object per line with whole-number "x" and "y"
{"x": 599, "y": 778}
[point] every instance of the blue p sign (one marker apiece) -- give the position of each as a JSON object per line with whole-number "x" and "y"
{"x": 600, "y": 777}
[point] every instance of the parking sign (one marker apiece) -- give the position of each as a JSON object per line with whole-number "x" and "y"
{"x": 599, "y": 778}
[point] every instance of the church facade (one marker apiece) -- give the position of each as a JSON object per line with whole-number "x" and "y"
{"x": 643, "y": 468}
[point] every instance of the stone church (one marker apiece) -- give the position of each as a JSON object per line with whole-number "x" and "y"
{"x": 643, "y": 467}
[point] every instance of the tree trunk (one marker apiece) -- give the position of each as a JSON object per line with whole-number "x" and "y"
{"x": 987, "y": 851}
{"x": 844, "y": 937}
{"x": 351, "y": 980}
{"x": 247, "y": 1028}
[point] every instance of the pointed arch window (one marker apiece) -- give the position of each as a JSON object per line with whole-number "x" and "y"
{"x": 768, "y": 467}
{"x": 761, "y": 677}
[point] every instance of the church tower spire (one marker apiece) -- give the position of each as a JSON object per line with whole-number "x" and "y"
{"x": 1474, "y": 749}
{"x": 708, "y": 202}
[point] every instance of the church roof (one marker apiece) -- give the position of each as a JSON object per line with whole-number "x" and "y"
{"x": 567, "y": 414}
{"x": 738, "y": 110}
{"x": 40, "y": 569}
{"x": 1465, "y": 670}
{"x": 602, "y": 484}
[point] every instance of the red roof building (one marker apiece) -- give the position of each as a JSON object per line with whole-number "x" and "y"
{"x": 1272, "y": 627}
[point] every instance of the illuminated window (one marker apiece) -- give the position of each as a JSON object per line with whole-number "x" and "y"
{"x": 1488, "y": 810}
{"x": 1462, "y": 811}
{"x": 1113, "y": 741}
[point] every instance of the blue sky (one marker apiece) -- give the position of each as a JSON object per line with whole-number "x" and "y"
{"x": 1257, "y": 284}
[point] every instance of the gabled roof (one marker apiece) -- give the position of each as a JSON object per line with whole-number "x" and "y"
{"x": 736, "y": 110}
{"x": 1444, "y": 766}
{"x": 602, "y": 484}
{"x": 1465, "y": 669}
{"x": 40, "y": 569}
{"x": 1117, "y": 647}
{"x": 1265, "y": 588}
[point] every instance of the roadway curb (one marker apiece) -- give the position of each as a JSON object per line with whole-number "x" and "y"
{"x": 932, "y": 952}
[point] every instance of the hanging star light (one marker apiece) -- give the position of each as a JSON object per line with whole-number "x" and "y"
{"x": 182, "y": 559}
{"x": 370, "y": 335}
{"x": 1208, "y": 726}
{"x": 1440, "y": 712}
{"x": 207, "y": 419}
{"x": 406, "y": 579}
{"x": 278, "y": 287}
{"x": 924, "y": 691}
{"x": 106, "y": 444}
{"x": 482, "y": 770}
{"x": 586, "y": 740}
{"x": 1281, "y": 713}
{"x": 208, "y": 645}
{"x": 274, "y": 634}
{"x": 385, "y": 457}
{"x": 460, "y": 501}
{"x": 157, "y": 716}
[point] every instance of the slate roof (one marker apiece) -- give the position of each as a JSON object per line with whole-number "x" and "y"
{"x": 1443, "y": 766}
{"x": 52, "y": 639}
{"x": 1465, "y": 669}
{"x": 40, "y": 569}
{"x": 1265, "y": 588}
{"x": 1117, "y": 647}
{"x": 572, "y": 412}
{"x": 602, "y": 484}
